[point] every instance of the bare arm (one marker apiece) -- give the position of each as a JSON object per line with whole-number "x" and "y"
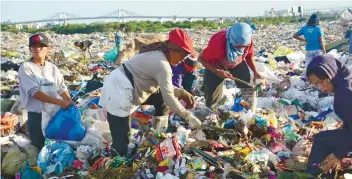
{"x": 43, "y": 97}
{"x": 322, "y": 45}
{"x": 66, "y": 96}
{"x": 295, "y": 36}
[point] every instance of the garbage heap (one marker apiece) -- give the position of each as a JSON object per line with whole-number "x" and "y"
{"x": 271, "y": 142}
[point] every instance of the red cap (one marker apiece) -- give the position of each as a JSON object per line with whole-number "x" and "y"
{"x": 181, "y": 39}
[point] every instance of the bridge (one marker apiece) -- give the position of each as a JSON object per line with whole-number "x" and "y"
{"x": 120, "y": 15}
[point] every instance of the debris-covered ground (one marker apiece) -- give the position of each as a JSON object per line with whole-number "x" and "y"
{"x": 272, "y": 142}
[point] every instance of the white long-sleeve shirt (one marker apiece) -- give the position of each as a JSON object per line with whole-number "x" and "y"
{"x": 34, "y": 78}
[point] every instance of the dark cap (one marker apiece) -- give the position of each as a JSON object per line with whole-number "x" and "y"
{"x": 38, "y": 38}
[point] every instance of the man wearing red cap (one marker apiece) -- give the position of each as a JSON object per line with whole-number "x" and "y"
{"x": 131, "y": 84}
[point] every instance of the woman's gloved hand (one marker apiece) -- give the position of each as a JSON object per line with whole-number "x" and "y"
{"x": 189, "y": 99}
{"x": 193, "y": 121}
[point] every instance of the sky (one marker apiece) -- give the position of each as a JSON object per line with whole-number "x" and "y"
{"x": 25, "y": 10}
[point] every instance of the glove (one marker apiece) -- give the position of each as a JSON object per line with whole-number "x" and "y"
{"x": 193, "y": 121}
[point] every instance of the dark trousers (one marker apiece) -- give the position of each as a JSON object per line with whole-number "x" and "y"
{"x": 34, "y": 125}
{"x": 324, "y": 144}
{"x": 120, "y": 127}
{"x": 213, "y": 84}
{"x": 156, "y": 99}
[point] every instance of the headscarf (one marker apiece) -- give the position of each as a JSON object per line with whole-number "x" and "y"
{"x": 239, "y": 34}
{"x": 338, "y": 73}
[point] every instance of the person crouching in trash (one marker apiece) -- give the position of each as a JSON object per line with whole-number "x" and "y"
{"x": 330, "y": 147}
{"x": 227, "y": 55}
{"x": 84, "y": 46}
{"x": 137, "y": 80}
{"x": 40, "y": 82}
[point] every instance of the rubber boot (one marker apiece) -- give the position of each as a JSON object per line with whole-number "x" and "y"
{"x": 160, "y": 123}
{"x": 250, "y": 96}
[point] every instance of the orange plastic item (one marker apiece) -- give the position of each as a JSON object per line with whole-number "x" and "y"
{"x": 142, "y": 117}
{"x": 8, "y": 123}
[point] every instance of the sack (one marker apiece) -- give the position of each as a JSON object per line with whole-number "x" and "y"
{"x": 53, "y": 158}
{"x": 66, "y": 124}
{"x": 14, "y": 159}
{"x": 111, "y": 55}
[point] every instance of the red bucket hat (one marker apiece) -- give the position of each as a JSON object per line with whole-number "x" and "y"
{"x": 181, "y": 39}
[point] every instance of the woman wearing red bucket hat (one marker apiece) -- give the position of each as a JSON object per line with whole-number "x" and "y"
{"x": 136, "y": 81}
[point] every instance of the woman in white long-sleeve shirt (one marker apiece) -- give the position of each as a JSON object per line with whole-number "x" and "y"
{"x": 137, "y": 80}
{"x": 40, "y": 82}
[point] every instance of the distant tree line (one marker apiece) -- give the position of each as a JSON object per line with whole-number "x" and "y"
{"x": 156, "y": 26}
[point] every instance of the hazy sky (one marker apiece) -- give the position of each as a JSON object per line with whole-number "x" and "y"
{"x": 36, "y": 10}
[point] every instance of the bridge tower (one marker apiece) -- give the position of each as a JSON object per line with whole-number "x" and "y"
{"x": 62, "y": 17}
{"x": 175, "y": 19}
{"x": 121, "y": 15}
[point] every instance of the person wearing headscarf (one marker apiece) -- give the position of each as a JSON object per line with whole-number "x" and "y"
{"x": 136, "y": 81}
{"x": 330, "y": 147}
{"x": 40, "y": 82}
{"x": 313, "y": 37}
{"x": 229, "y": 54}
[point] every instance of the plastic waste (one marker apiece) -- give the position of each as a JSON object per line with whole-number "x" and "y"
{"x": 168, "y": 148}
{"x": 237, "y": 106}
{"x": 267, "y": 73}
{"x": 66, "y": 124}
{"x": 15, "y": 159}
{"x": 53, "y": 158}
{"x": 182, "y": 135}
{"x": 259, "y": 156}
{"x": 296, "y": 57}
{"x": 28, "y": 173}
{"x": 111, "y": 55}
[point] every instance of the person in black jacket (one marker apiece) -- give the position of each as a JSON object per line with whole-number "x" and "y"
{"x": 84, "y": 46}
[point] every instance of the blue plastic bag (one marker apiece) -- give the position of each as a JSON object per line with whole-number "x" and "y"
{"x": 28, "y": 173}
{"x": 53, "y": 158}
{"x": 111, "y": 55}
{"x": 66, "y": 125}
{"x": 237, "y": 107}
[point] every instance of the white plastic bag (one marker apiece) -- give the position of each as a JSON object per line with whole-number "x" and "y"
{"x": 296, "y": 57}
{"x": 267, "y": 73}
{"x": 97, "y": 114}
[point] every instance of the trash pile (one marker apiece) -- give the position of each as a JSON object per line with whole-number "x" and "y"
{"x": 271, "y": 142}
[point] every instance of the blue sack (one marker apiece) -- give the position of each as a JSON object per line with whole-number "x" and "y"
{"x": 66, "y": 125}
{"x": 111, "y": 55}
{"x": 55, "y": 157}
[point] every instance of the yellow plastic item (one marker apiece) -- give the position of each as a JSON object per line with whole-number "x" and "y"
{"x": 164, "y": 162}
{"x": 282, "y": 51}
{"x": 245, "y": 151}
{"x": 273, "y": 63}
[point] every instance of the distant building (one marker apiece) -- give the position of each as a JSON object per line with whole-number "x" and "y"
{"x": 346, "y": 14}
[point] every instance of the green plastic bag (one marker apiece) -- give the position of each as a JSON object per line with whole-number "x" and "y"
{"x": 111, "y": 55}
